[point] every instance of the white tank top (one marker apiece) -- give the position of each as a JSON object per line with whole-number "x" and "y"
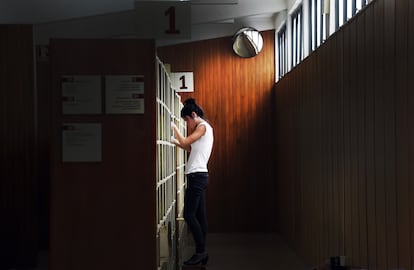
{"x": 200, "y": 151}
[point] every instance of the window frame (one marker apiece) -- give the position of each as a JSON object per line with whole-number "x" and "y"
{"x": 282, "y": 50}
{"x": 297, "y": 46}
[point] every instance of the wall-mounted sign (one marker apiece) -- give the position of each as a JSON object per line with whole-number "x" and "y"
{"x": 81, "y": 94}
{"x": 182, "y": 81}
{"x": 124, "y": 94}
{"x": 163, "y": 19}
{"x": 81, "y": 142}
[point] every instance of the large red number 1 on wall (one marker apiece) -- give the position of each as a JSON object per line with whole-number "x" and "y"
{"x": 183, "y": 86}
{"x": 171, "y": 13}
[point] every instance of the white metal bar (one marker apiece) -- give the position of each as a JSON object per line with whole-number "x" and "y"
{"x": 164, "y": 218}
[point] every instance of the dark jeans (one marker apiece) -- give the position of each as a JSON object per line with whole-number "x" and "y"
{"x": 195, "y": 208}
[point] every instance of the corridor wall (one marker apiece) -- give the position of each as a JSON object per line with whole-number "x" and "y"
{"x": 345, "y": 143}
{"x": 236, "y": 96}
{"x": 103, "y": 212}
{"x": 18, "y": 173}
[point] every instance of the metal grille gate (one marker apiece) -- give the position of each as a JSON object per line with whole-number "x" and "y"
{"x": 171, "y": 182}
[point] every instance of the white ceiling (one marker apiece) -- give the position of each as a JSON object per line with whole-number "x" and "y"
{"x": 113, "y": 18}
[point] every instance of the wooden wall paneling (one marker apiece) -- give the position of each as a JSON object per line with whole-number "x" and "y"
{"x": 208, "y": 74}
{"x": 310, "y": 163}
{"x": 389, "y": 97}
{"x": 248, "y": 193}
{"x": 307, "y": 169}
{"x": 410, "y": 105}
{"x": 353, "y": 177}
{"x": 338, "y": 85}
{"x": 286, "y": 181}
{"x": 9, "y": 233}
{"x": 284, "y": 159}
{"x": 376, "y": 105}
{"x": 19, "y": 183}
{"x": 328, "y": 132}
{"x": 323, "y": 135}
{"x": 402, "y": 154}
{"x": 300, "y": 158}
{"x": 238, "y": 128}
{"x": 326, "y": 80}
{"x": 330, "y": 118}
{"x": 294, "y": 193}
{"x": 324, "y": 151}
{"x": 268, "y": 111}
{"x": 336, "y": 153}
{"x": 304, "y": 141}
{"x": 322, "y": 184}
{"x": 290, "y": 154}
{"x": 336, "y": 121}
{"x": 311, "y": 196}
{"x": 361, "y": 146}
{"x": 244, "y": 131}
{"x": 379, "y": 65}
{"x": 313, "y": 158}
{"x": 281, "y": 133}
{"x": 309, "y": 240}
{"x": 319, "y": 182}
{"x": 202, "y": 63}
{"x": 290, "y": 163}
{"x": 290, "y": 196}
{"x": 347, "y": 144}
{"x": 263, "y": 82}
{"x": 280, "y": 162}
{"x": 298, "y": 169}
{"x": 301, "y": 152}
{"x": 3, "y": 155}
{"x": 44, "y": 127}
{"x": 314, "y": 161}
{"x": 370, "y": 137}
{"x": 91, "y": 199}
{"x": 302, "y": 155}
{"x": 278, "y": 137}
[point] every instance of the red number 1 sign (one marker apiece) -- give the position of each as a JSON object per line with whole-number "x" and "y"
{"x": 163, "y": 19}
{"x": 171, "y": 13}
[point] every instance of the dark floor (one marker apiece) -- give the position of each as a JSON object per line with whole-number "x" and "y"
{"x": 250, "y": 251}
{"x": 247, "y": 251}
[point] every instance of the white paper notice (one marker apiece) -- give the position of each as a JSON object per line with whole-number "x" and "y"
{"x": 81, "y": 94}
{"x": 81, "y": 142}
{"x": 124, "y": 94}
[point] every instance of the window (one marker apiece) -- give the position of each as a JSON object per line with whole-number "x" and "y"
{"x": 346, "y": 9}
{"x": 314, "y": 21}
{"x": 318, "y": 25}
{"x": 282, "y": 52}
{"x": 297, "y": 36}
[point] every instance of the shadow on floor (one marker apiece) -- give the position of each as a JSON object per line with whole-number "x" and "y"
{"x": 246, "y": 252}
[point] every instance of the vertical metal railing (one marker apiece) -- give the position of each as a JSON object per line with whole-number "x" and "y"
{"x": 170, "y": 182}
